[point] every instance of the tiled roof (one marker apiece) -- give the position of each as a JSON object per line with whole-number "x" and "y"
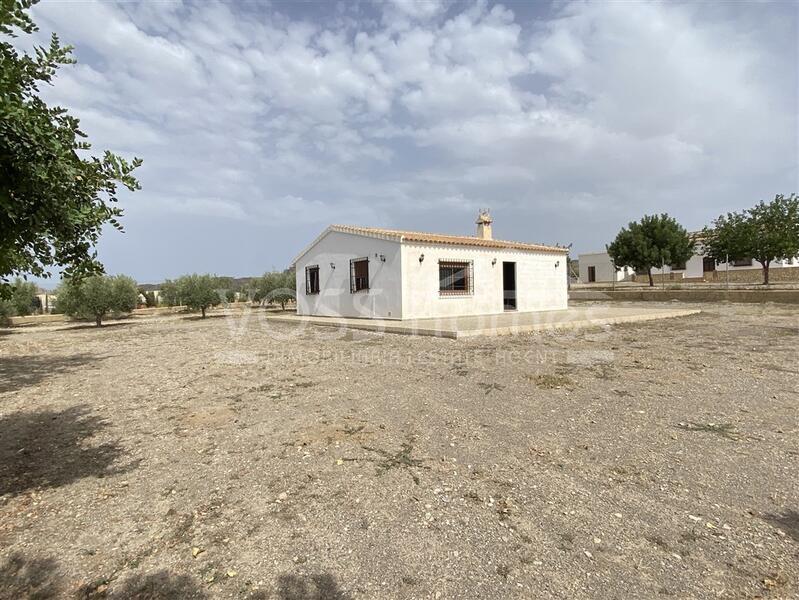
{"x": 437, "y": 238}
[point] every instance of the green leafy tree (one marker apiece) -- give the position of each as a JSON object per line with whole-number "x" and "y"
{"x": 766, "y": 232}
{"x": 24, "y": 300}
{"x": 198, "y": 292}
{"x": 149, "y": 298}
{"x": 275, "y": 287}
{"x": 96, "y": 296}
{"x": 652, "y": 242}
{"x": 6, "y": 312}
{"x": 169, "y": 293}
{"x": 54, "y": 198}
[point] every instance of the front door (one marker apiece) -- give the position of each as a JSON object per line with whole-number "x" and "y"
{"x": 591, "y": 274}
{"x": 509, "y": 285}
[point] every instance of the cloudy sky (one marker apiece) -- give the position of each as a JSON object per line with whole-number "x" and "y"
{"x": 261, "y": 123}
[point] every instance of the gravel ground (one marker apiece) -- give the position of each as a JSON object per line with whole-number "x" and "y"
{"x": 175, "y": 457}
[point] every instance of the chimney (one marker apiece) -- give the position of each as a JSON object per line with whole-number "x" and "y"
{"x": 484, "y": 225}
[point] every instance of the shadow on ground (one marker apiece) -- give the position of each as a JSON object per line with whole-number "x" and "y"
{"x": 163, "y": 585}
{"x": 17, "y": 372}
{"x": 322, "y": 586}
{"x": 788, "y": 521}
{"x": 90, "y": 325}
{"x": 48, "y": 449}
{"x": 41, "y": 579}
{"x": 31, "y": 578}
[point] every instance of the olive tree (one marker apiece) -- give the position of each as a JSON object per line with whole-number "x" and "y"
{"x": 198, "y": 292}
{"x": 276, "y": 286}
{"x": 24, "y": 299}
{"x": 766, "y": 232}
{"x": 96, "y": 296}
{"x": 653, "y": 242}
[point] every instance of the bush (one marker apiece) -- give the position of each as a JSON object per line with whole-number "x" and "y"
{"x": 96, "y": 296}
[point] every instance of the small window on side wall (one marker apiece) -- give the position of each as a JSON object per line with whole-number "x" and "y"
{"x": 455, "y": 278}
{"x": 359, "y": 275}
{"x": 312, "y": 280}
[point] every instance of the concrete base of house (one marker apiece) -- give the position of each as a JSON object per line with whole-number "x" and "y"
{"x": 502, "y": 324}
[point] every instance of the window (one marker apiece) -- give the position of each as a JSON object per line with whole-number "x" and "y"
{"x": 743, "y": 262}
{"x": 455, "y": 278}
{"x": 359, "y": 274}
{"x": 312, "y": 280}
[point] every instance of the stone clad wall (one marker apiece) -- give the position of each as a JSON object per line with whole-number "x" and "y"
{"x": 754, "y": 275}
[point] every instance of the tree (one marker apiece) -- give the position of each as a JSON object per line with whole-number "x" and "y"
{"x": 654, "y": 241}
{"x": 198, "y": 292}
{"x": 54, "y": 199}
{"x": 95, "y": 296}
{"x": 765, "y": 232}
{"x": 275, "y": 286}
{"x": 169, "y": 293}
{"x": 24, "y": 298}
{"x": 150, "y": 300}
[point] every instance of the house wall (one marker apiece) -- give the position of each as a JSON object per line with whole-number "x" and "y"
{"x": 383, "y": 299}
{"x": 540, "y": 284}
{"x": 604, "y": 268}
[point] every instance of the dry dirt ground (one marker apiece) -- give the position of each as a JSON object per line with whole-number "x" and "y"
{"x": 227, "y": 458}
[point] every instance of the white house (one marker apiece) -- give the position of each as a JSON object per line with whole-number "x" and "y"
{"x": 597, "y": 266}
{"x": 385, "y": 273}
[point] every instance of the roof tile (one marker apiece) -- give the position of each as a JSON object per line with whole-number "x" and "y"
{"x": 437, "y": 238}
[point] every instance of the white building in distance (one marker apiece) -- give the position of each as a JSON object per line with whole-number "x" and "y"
{"x": 597, "y": 267}
{"x": 391, "y": 274}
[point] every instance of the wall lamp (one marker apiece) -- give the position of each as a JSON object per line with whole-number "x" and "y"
{"x": 493, "y": 262}
{"x": 421, "y": 258}
{"x": 557, "y": 264}
{"x": 333, "y": 266}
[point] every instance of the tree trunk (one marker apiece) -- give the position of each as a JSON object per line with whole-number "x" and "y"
{"x": 651, "y": 281}
{"x": 766, "y": 265}
{"x": 98, "y": 320}
{"x": 203, "y": 311}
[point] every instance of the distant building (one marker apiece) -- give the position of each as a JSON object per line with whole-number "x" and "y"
{"x": 391, "y": 274}
{"x": 596, "y": 267}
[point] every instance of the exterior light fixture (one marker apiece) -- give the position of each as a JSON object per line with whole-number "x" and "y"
{"x": 382, "y": 258}
{"x": 557, "y": 264}
{"x": 493, "y": 262}
{"x": 333, "y": 266}
{"x": 421, "y": 258}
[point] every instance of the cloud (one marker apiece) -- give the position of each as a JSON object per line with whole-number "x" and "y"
{"x": 566, "y": 120}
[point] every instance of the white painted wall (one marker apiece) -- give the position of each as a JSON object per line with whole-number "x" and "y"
{"x": 383, "y": 299}
{"x": 604, "y": 268}
{"x": 540, "y": 285}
